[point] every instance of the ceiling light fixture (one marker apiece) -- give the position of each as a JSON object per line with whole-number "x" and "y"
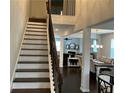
{"x": 56, "y": 29}
{"x": 95, "y": 45}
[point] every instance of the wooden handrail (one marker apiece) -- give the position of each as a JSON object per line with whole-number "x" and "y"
{"x": 57, "y": 77}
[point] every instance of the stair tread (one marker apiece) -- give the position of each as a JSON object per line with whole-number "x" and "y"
{"x": 36, "y": 31}
{"x": 43, "y": 90}
{"x": 38, "y": 20}
{"x": 31, "y": 80}
{"x": 36, "y": 27}
{"x": 32, "y": 70}
{"x": 33, "y": 49}
{"x": 33, "y": 55}
{"x": 33, "y": 39}
{"x": 32, "y": 44}
{"x": 36, "y": 24}
{"x": 33, "y": 62}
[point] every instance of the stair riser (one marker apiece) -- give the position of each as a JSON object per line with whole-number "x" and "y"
{"x": 33, "y": 52}
{"x": 37, "y": 33}
{"x": 36, "y": 26}
{"x": 30, "y": 58}
{"x": 32, "y": 75}
{"x": 31, "y": 85}
{"x": 33, "y": 29}
{"x": 35, "y": 47}
{"x": 35, "y": 23}
{"x": 32, "y": 66}
{"x": 35, "y": 41}
{"x": 36, "y": 37}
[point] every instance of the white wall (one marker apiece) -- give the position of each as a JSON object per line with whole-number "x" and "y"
{"x": 89, "y": 12}
{"x": 18, "y": 17}
{"x": 106, "y": 42}
{"x": 38, "y": 9}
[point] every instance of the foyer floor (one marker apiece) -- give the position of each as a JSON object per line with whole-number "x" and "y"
{"x": 72, "y": 79}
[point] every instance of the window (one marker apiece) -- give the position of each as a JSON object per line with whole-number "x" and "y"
{"x": 95, "y": 43}
{"x": 58, "y": 44}
{"x": 112, "y": 49}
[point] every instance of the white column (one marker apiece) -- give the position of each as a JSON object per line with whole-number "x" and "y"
{"x": 61, "y": 51}
{"x": 85, "y": 73}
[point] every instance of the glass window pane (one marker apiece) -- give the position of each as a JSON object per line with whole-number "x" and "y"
{"x": 112, "y": 49}
{"x": 95, "y": 43}
{"x": 58, "y": 44}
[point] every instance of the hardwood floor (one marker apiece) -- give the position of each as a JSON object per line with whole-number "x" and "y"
{"x": 72, "y": 79}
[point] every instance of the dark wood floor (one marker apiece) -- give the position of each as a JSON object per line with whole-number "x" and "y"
{"x": 72, "y": 79}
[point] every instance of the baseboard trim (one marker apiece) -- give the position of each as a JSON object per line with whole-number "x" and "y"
{"x": 84, "y": 90}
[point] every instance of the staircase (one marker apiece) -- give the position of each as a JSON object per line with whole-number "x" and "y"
{"x": 32, "y": 69}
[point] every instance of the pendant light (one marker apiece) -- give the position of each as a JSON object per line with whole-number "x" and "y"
{"x": 96, "y": 45}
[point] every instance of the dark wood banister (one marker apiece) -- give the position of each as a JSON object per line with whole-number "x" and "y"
{"x": 55, "y": 62}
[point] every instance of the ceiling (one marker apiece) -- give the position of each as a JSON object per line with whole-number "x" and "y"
{"x": 105, "y": 25}
{"x": 102, "y": 28}
{"x": 61, "y": 28}
{"x": 93, "y": 33}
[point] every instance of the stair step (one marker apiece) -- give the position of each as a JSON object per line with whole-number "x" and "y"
{"x": 32, "y": 44}
{"x": 36, "y": 37}
{"x": 32, "y": 66}
{"x": 40, "y": 20}
{"x": 34, "y": 52}
{"x": 37, "y": 26}
{"x": 36, "y": 33}
{"x": 44, "y": 31}
{"x": 36, "y": 23}
{"x": 35, "y": 41}
{"x": 31, "y": 85}
{"x": 32, "y": 70}
{"x": 33, "y": 62}
{"x": 34, "y": 29}
{"x": 31, "y": 80}
{"x": 30, "y": 58}
{"x": 32, "y": 75}
{"x": 35, "y": 47}
{"x": 43, "y": 90}
{"x": 33, "y": 55}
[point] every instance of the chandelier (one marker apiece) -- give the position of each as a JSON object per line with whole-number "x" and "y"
{"x": 96, "y": 45}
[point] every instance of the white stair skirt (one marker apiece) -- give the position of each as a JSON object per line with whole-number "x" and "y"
{"x": 32, "y": 66}
{"x": 32, "y": 75}
{"x": 31, "y": 85}
{"x": 31, "y": 58}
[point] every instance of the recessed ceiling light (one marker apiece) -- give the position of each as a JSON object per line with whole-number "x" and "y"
{"x": 56, "y": 29}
